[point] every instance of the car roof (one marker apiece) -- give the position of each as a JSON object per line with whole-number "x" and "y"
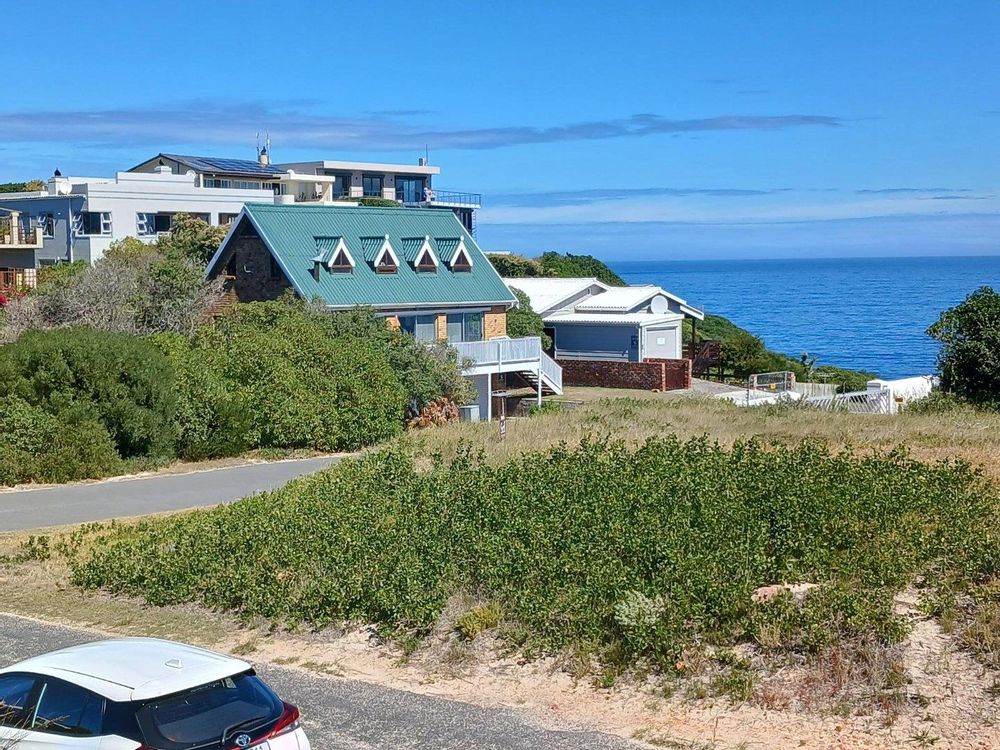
{"x": 133, "y": 668}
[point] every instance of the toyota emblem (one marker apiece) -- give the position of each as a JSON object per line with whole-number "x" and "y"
{"x": 243, "y": 740}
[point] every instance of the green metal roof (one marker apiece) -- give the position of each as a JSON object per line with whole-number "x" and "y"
{"x": 296, "y": 234}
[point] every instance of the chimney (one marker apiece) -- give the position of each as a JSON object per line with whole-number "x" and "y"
{"x": 420, "y": 162}
{"x": 263, "y": 157}
{"x": 162, "y": 169}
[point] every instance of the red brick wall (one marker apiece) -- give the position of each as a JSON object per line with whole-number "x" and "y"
{"x": 676, "y": 373}
{"x": 650, "y": 375}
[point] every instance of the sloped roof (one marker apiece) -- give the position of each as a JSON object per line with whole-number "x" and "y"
{"x": 614, "y": 319}
{"x": 547, "y": 293}
{"x": 619, "y": 299}
{"x": 222, "y": 165}
{"x": 291, "y": 233}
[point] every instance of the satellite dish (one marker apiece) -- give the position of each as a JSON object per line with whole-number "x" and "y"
{"x": 659, "y": 304}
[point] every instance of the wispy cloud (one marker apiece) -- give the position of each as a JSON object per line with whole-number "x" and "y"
{"x": 292, "y": 126}
{"x": 911, "y": 190}
{"x": 586, "y": 197}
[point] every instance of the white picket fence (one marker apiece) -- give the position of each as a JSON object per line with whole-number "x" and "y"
{"x": 856, "y": 402}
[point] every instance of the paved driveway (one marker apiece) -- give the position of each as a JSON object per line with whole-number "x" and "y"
{"x": 351, "y": 715}
{"x": 99, "y": 501}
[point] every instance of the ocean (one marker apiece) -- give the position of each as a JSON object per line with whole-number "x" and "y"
{"x": 860, "y": 313}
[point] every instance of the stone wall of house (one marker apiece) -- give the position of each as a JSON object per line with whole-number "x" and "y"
{"x": 441, "y": 327}
{"x": 495, "y": 322}
{"x": 393, "y": 322}
{"x": 256, "y": 276}
{"x": 649, "y": 375}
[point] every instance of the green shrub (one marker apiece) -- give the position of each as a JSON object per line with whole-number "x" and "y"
{"x": 296, "y": 385}
{"x": 969, "y": 360}
{"x": 209, "y": 420}
{"x": 522, "y": 320}
{"x": 425, "y": 372}
{"x": 36, "y": 446}
{"x": 123, "y": 382}
{"x": 629, "y": 554}
{"x": 376, "y": 202}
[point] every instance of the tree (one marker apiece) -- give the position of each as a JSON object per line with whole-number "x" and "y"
{"x": 135, "y": 288}
{"x": 969, "y": 359}
{"x": 192, "y": 238}
{"x": 569, "y": 266}
{"x": 524, "y": 321}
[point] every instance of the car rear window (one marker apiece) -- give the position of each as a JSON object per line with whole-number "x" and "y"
{"x": 198, "y": 717}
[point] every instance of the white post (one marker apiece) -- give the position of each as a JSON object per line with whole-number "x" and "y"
{"x": 489, "y": 398}
{"x": 538, "y": 400}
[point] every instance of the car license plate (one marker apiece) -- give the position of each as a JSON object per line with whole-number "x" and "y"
{"x": 265, "y": 745}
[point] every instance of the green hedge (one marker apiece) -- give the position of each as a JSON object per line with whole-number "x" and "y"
{"x": 627, "y": 554}
{"x": 296, "y": 385}
{"x": 123, "y": 382}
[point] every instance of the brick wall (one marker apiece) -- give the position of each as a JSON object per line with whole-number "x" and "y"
{"x": 393, "y": 322}
{"x": 495, "y": 322}
{"x": 650, "y": 375}
{"x": 441, "y": 327}
{"x": 256, "y": 277}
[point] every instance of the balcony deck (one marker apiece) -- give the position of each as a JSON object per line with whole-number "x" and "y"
{"x": 444, "y": 199}
{"x": 13, "y": 235}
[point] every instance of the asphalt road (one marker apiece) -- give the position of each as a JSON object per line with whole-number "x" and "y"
{"x": 99, "y": 501}
{"x": 350, "y": 715}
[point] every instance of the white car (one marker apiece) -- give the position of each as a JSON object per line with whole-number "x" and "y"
{"x": 142, "y": 694}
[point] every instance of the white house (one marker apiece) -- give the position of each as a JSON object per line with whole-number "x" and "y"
{"x": 590, "y": 320}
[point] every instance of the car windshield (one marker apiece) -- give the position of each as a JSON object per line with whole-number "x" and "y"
{"x": 198, "y": 717}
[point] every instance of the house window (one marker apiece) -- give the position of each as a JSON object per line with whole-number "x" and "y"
{"x": 465, "y": 327}
{"x": 421, "y": 327}
{"x": 426, "y": 262}
{"x": 372, "y": 185}
{"x": 226, "y": 219}
{"x": 341, "y": 263}
{"x": 461, "y": 262}
{"x": 410, "y": 189}
{"x": 92, "y": 223}
{"x": 48, "y": 224}
{"x": 275, "y": 269}
{"x": 148, "y": 224}
{"x": 230, "y": 184}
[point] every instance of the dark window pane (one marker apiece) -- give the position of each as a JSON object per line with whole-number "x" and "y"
{"x": 14, "y": 693}
{"x": 199, "y": 716}
{"x": 473, "y": 327}
{"x": 455, "y": 329}
{"x": 68, "y": 709}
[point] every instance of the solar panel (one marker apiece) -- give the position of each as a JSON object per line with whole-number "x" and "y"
{"x": 228, "y": 166}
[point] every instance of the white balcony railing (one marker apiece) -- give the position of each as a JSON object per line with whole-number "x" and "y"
{"x": 511, "y": 355}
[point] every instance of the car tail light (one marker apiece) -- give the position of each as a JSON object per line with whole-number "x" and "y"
{"x": 287, "y": 722}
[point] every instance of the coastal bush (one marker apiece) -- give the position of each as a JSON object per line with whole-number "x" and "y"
{"x": 426, "y": 373}
{"x": 524, "y": 321}
{"x": 628, "y": 555}
{"x": 36, "y": 446}
{"x": 295, "y": 384}
{"x": 969, "y": 359}
{"x": 209, "y": 419}
{"x": 137, "y": 287}
{"x": 123, "y": 382}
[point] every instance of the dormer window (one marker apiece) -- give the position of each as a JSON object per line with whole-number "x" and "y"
{"x": 461, "y": 261}
{"x": 334, "y": 255}
{"x": 385, "y": 259}
{"x": 342, "y": 262}
{"x": 427, "y": 261}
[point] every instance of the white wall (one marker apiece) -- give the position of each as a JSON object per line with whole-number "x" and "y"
{"x": 671, "y": 346}
{"x": 131, "y": 193}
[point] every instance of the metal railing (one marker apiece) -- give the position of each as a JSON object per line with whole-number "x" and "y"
{"x": 442, "y": 198}
{"x": 855, "y": 402}
{"x": 500, "y": 351}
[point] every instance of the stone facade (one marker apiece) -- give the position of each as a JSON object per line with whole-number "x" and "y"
{"x": 393, "y": 322}
{"x": 441, "y": 327}
{"x": 495, "y": 322}
{"x": 256, "y": 276}
{"x": 649, "y": 375}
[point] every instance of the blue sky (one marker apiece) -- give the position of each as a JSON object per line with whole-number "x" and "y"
{"x": 634, "y": 130}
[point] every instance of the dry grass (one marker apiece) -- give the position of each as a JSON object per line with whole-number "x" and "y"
{"x": 634, "y": 416}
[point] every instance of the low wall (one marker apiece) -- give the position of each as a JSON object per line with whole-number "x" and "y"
{"x": 649, "y": 375}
